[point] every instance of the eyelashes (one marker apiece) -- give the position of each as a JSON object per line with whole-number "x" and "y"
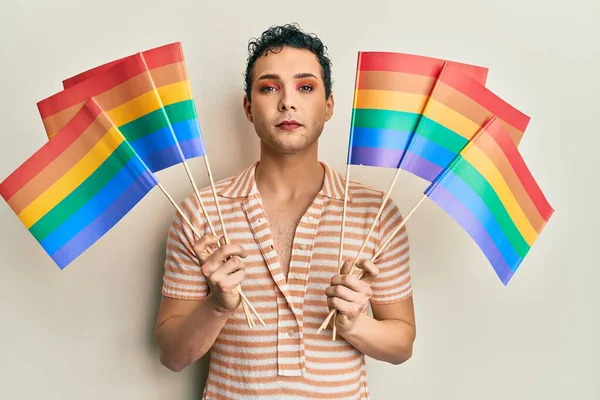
{"x": 306, "y": 88}
{"x": 268, "y": 88}
{"x": 271, "y": 87}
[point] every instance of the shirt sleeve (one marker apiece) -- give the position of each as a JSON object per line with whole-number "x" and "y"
{"x": 393, "y": 284}
{"x": 183, "y": 278}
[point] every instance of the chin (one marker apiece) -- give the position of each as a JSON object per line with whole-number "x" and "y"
{"x": 289, "y": 145}
{"x": 288, "y": 141}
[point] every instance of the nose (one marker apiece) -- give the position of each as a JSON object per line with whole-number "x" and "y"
{"x": 286, "y": 101}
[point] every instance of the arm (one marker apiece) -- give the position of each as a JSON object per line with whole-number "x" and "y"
{"x": 186, "y": 329}
{"x": 388, "y": 335}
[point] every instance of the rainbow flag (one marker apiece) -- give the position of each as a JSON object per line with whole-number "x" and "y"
{"x": 456, "y": 110}
{"x": 75, "y": 188}
{"x": 127, "y": 94}
{"x": 491, "y": 193}
{"x": 391, "y": 91}
{"x": 167, "y": 68}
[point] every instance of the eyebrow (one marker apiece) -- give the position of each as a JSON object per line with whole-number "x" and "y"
{"x": 297, "y": 76}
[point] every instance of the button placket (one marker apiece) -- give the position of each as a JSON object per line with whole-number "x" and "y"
{"x": 299, "y": 271}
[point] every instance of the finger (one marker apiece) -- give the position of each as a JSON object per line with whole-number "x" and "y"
{"x": 232, "y": 280}
{"x": 346, "y": 266}
{"x": 346, "y": 294}
{"x": 370, "y": 271}
{"x": 219, "y": 259}
{"x": 353, "y": 283}
{"x": 221, "y": 255}
{"x": 344, "y": 307}
{"x": 230, "y": 266}
{"x": 202, "y": 245}
{"x": 227, "y": 251}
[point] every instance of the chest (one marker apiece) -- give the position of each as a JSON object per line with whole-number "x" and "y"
{"x": 283, "y": 219}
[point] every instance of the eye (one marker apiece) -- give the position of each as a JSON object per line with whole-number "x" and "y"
{"x": 268, "y": 89}
{"x": 306, "y": 88}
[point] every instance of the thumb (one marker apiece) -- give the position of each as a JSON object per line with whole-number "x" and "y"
{"x": 346, "y": 267}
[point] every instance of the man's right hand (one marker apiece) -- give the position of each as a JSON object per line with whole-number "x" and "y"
{"x": 223, "y": 270}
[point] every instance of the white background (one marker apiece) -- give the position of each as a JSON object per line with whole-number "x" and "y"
{"x": 86, "y": 332}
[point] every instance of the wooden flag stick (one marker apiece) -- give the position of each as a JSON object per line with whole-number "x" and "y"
{"x": 340, "y": 258}
{"x": 214, "y": 190}
{"x": 375, "y": 220}
{"x": 199, "y": 235}
{"x": 178, "y": 209}
{"x": 378, "y": 253}
{"x": 398, "y": 228}
{"x": 202, "y": 206}
{"x": 353, "y": 118}
{"x": 214, "y": 233}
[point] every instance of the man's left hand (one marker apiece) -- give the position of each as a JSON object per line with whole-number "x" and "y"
{"x": 349, "y": 295}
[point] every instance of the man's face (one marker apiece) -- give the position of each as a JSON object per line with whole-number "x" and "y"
{"x": 288, "y": 107}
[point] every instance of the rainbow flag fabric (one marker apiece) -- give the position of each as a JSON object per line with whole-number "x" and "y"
{"x": 167, "y": 68}
{"x": 391, "y": 91}
{"x": 77, "y": 186}
{"x": 489, "y": 190}
{"x": 456, "y": 110}
{"x": 126, "y": 93}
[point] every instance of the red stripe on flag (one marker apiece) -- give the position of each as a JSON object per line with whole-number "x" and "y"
{"x": 415, "y": 64}
{"x": 49, "y": 151}
{"x": 455, "y": 77}
{"x": 155, "y": 58}
{"x": 119, "y": 73}
{"x": 518, "y": 164}
{"x": 164, "y": 55}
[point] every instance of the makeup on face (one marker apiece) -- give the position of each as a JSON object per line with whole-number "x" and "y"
{"x": 305, "y": 82}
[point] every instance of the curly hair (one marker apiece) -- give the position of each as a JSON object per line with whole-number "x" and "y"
{"x": 275, "y": 39}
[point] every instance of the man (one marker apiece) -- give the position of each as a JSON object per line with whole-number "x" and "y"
{"x": 283, "y": 216}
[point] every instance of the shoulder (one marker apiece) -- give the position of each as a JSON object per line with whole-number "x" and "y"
{"x": 230, "y": 187}
{"x": 196, "y": 207}
{"x": 361, "y": 193}
{"x": 360, "y": 190}
{"x": 366, "y": 198}
{"x": 206, "y": 194}
{"x": 335, "y": 186}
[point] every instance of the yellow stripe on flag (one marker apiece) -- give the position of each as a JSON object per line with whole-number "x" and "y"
{"x": 482, "y": 163}
{"x": 134, "y": 109}
{"x": 451, "y": 119}
{"x": 72, "y": 179}
{"x": 390, "y": 100}
{"x": 175, "y": 92}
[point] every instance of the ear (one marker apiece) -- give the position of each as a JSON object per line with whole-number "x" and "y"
{"x": 329, "y": 107}
{"x": 248, "y": 109}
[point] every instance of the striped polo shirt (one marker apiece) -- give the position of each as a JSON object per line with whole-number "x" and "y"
{"x": 287, "y": 359}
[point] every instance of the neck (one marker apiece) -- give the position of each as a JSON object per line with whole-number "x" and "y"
{"x": 289, "y": 176}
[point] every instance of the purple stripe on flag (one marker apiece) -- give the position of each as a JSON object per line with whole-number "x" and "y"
{"x": 375, "y": 157}
{"x": 192, "y": 148}
{"x": 420, "y": 167}
{"x": 474, "y": 228}
{"x": 164, "y": 158}
{"x": 101, "y": 225}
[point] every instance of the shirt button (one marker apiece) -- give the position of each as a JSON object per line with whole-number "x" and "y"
{"x": 297, "y": 276}
{"x": 291, "y": 333}
{"x": 310, "y": 219}
{"x": 302, "y": 246}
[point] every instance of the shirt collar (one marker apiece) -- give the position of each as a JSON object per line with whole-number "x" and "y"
{"x": 243, "y": 184}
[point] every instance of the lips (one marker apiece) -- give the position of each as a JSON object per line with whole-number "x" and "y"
{"x": 289, "y": 125}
